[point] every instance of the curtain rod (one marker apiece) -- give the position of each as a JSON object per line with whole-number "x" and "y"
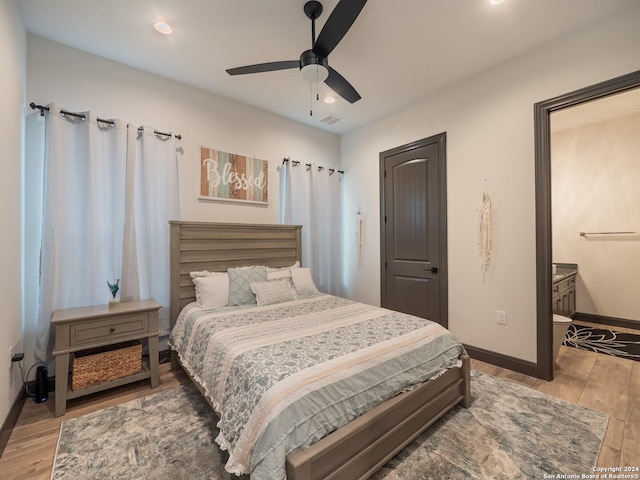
{"x": 108, "y": 122}
{"x": 295, "y": 163}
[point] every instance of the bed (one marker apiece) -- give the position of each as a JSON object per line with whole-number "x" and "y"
{"x": 365, "y": 442}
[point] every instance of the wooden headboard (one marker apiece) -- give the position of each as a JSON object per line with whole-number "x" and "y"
{"x": 197, "y": 246}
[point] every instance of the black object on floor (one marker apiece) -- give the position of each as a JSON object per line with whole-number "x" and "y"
{"x": 42, "y": 385}
{"x": 610, "y": 342}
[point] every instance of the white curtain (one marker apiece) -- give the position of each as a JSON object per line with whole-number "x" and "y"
{"x": 310, "y": 196}
{"x": 152, "y": 200}
{"x": 100, "y": 194}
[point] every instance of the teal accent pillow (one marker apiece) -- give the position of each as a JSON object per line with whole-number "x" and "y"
{"x": 240, "y": 280}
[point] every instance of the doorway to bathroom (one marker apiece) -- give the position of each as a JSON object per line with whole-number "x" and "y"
{"x": 544, "y": 217}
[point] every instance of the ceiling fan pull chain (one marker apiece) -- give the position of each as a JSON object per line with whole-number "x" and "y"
{"x": 310, "y": 101}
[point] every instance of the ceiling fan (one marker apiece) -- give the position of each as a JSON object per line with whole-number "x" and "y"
{"x": 313, "y": 63}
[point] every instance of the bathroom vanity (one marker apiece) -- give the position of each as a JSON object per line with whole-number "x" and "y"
{"x": 563, "y": 289}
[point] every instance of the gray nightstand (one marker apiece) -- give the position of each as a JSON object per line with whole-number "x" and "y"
{"x": 82, "y": 328}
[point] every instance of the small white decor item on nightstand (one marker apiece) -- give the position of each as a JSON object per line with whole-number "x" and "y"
{"x": 114, "y": 287}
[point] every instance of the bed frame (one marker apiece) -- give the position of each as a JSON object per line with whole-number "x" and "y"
{"x": 361, "y": 447}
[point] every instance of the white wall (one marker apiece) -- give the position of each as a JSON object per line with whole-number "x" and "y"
{"x": 489, "y": 124}
{"x": 595, "y": 172}
{"x": 79, "y": 81}
{"x": 12, "y": 87}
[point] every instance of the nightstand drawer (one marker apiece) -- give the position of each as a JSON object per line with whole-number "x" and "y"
{"x": 97, "y": 331}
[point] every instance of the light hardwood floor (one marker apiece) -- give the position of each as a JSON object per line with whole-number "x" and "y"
{"x": 600, "y": 382}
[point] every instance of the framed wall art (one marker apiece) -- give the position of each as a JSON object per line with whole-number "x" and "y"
{"x": 233, "y": 178}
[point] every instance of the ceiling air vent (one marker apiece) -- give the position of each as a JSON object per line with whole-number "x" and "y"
{"x": 331, "y": 119}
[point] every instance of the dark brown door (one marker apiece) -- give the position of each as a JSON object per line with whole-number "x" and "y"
{"x": 413, "y": 222}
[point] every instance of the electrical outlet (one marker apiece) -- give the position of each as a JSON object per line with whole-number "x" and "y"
{"x": 501, "y": 317}
{"x": 10, "y": 357}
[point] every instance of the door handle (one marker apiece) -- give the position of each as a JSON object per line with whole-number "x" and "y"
{"x": 432, "y": 270}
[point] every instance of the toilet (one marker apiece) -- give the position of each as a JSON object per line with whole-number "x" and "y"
{"x": 560, "y": 327}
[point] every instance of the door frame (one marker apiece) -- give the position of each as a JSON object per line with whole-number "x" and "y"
{"x": 544, "y": 257}
{"x": 443, "y": 268}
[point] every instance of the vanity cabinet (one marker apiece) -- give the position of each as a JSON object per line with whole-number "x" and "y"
{"x": 564, "y": 296}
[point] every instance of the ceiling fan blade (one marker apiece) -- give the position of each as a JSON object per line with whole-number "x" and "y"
{"x": 264, "y": 67}
{"x": 339, "y": 84}
{"x": 337, "y": 25}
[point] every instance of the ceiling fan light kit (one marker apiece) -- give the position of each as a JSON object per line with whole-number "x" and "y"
{"x": 314, "y": 64}
{"x": 313, "y": 68}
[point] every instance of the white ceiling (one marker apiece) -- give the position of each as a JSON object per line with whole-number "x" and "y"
{"x": 396, "y": 52}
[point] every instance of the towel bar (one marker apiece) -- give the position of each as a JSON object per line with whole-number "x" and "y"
{"x": 584, "y": 234}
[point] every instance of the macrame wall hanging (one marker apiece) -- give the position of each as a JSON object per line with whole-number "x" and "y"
{"x": 484, "y": 232}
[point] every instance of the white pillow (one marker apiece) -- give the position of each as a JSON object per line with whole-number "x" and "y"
{"x": 302, "y": 280}
{"x": 276, "y": 269}
{"x": 203, "y": 273}
{"x": 278, "y": 274}
{"x": 276, "y": 291}
{"x": 213, "y": 290}
{"x": 281, "y": 272}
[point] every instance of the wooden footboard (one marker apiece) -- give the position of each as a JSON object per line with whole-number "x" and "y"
{"x": 363, "y": 446}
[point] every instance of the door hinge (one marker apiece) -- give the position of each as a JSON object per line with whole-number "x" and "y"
{"x": 385, "y": 174}
{"x": 385, "y": 219}
{"x": 385, "y": 264}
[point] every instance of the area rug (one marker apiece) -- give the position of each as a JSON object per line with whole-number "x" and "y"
{"x": 509, "y": 431}
{"x": 610, "y": 342}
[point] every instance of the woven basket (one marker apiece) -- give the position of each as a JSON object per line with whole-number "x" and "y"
{"x": 103, "y": 364}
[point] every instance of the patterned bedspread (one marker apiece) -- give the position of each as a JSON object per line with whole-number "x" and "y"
{"x": 283, "y": 376}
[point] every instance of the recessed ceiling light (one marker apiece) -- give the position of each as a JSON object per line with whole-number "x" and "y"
{"x": 162, "y": 26}
{"x": 496, "y": 2}
{"x": 329, "y": 99}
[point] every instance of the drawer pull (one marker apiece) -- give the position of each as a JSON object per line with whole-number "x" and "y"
{"x": 112, "y": 329}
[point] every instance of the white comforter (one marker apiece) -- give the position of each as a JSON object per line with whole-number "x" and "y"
{"x": 283, "y": 376}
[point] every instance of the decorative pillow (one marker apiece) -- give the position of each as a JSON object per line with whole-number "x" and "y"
{"x": 203, "y": 273}
{"x": 276, "y": 291}
{"x": 283, "y": 272}
{"x": 213, "y": 290}
{"x": 278, "y": 274}
{"x": 302, "y": 280}
{"x": 240, "y": 279}
{"x": 279, "y": 269}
